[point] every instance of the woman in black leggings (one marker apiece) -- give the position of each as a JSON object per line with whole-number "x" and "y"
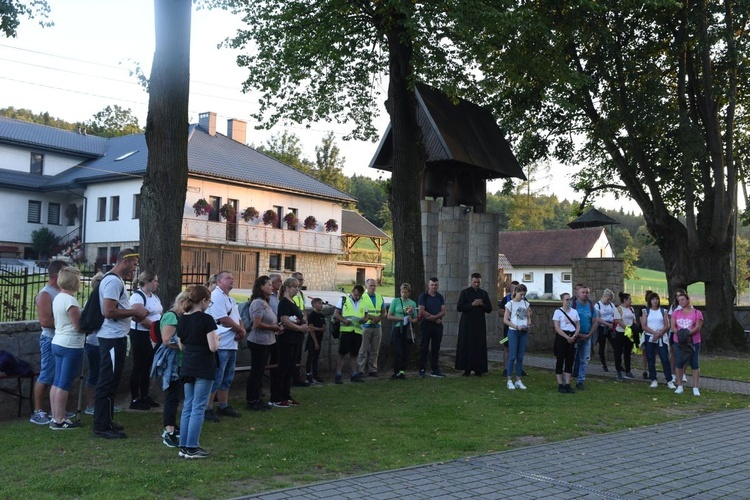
{"x": 567, "y": 327}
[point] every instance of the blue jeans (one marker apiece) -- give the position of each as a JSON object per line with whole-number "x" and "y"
{"x": 194, "y": 411}
{"x": 583, "y": 355}
{"x": 517, "y": 340}
{"x": 47, "y": 363}
{"x": 651, "y": 350}
{"x": 68, "y": 362}
{"x": 225, "y": 370}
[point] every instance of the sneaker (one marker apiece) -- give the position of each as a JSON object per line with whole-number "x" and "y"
{"x": 696, "y": 391}
{"x": 182, "y": 452}
{"x": 338, "y": 380}
{"x": 519, "y": 385}
{"x": 357, "y": 377}
{"x": 228, "y": 411}
{"x": 117, "y": 409}
{"x": 117, "y": 427}
{"x": 437, "y": 374}
{"x": 70, "y": 414}
{"x": 110, "y": 434}
{"x": 402, "y": 376}
{"x": 679, "y": 390}
{"x": 569, "y": 389}
{"x": 629, "y": 375}
{"x": 655, "y": 384}
{"x": 294, "y": 402}
{"x": 191, "y": 453}
{"x": 684, "y": 378}
{"x": 580, "y": 387}
{"x": 258, "y": 405}
{"x": 310, "y": 380}
{"x": 151, "y": 402}
{"x": 170, "y": 439}
{"x": 511, "y": 386}
{"x": 40, "y": 417}
{"x": 280, "y": 404}
{"x": 320, "y": 380}
{"x": 620, "y": 378}
{"x": 674, "y": 378}
{"x": 670, "y": 385}
{"x": 211, "y": 416}
{"x": 89, "y": 410}
{"x": 422, "y": 374}
{"x": 561, "y": 388}
{"x": 64, "y": 425}
{"x": 372, "y": 374}
{"x": 604, "y": 368}
{"x": 140, "y": 405}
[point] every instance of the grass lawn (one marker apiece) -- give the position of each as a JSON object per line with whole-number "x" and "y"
{"x": 656, "y": 281}
{"x": 338, "y": 431}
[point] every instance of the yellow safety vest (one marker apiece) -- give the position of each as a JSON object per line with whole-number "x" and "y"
{"x": 348, "y": 311}
{"x": 299, "y": 300}
{"x": 374, "y": 310}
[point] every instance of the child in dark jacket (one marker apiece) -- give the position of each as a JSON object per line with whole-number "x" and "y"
{"x": 317, "y": 323}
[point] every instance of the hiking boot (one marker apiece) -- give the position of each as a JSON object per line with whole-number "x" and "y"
{"x": 421, "y": 374}
{"x": 569, "y": 389}
{"x": 561, "y": 388}
{"x": 140, "y": 405}
{"x": 620, "y": 378}
{"x": 170, "y": 439}
{"x": 211, "y": 416}
{"x": 228, "y": 411}
{"x": 40, "y": 417}
{"x": 338, "y": 380}
{"x": 437, "y": 374}
{"x": 629, "y": 375}
{"x": 580, "y": 387}
{"x": 66, "y": 424}
{"x": 191, "y": 453}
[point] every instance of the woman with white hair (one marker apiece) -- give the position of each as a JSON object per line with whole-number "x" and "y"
{"x": 606, "y": 330}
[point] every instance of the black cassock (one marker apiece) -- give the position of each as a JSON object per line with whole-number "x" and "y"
{"x": 471, "y": 350}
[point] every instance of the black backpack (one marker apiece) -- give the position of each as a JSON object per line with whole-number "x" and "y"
{"x": 92, "y": 317}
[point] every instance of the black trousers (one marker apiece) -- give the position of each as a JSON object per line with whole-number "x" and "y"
{"x": 143, "y": 356}
{"x": 604, "y": 334}
{"x": 281, "y": 377}
{"x": 171, "y": 402}
{"x": 565, "y": 354}
{"x": 259, "y": 354}
{"x": 623, "y": 348}
{"x": 431, "y": 333}
{"x": 401, "y": 342}
{"x": 313, "y": 356}
{"x": 111, "y": 362}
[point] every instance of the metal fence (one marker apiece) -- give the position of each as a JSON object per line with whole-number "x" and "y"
{"x": 19, "y": 286}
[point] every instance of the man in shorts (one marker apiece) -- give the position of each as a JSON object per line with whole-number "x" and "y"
{"x": 351, "y": 312}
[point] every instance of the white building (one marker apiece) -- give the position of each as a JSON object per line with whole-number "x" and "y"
{"x": 87, "y": 187}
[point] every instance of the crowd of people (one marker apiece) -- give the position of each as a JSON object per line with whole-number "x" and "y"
{"x": 192, "y": 348}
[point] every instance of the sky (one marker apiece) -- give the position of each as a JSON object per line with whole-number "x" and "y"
{"x": 81, "y": 65}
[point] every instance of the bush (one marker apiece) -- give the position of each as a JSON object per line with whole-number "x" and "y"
{"x": 44, "y": 241}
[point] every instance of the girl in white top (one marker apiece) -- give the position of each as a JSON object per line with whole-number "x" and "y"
{"x": 518, "y": 319}
{"x": 67, "y": 346}
{"x": 606, "y": 318}
{"x": 140, "y": 341}
{"x": 567, "y": 327}
{"x": 656, "y": 327}
{"x": 624, "y": 316}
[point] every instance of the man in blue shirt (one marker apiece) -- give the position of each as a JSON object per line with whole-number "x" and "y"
{"x": 587, "y": 313}
{"x": 431, "y": 310}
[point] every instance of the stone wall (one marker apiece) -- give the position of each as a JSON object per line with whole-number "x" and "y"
{"x": 599, "y": 274}
{"x": 319, "y": 269}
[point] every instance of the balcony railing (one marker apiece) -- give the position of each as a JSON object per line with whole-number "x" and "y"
{"x": 261, "y": 236}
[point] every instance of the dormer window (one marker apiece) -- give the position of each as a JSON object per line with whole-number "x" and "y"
{"x": 37, "y": 164}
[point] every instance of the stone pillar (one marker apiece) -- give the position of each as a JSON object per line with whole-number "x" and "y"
{"x": 430, "y": 223}
{"x": 599, "y": 274}
{"x": 482, "y": 246}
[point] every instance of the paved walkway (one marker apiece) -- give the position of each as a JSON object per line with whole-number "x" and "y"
{"x": 704, "y": 457}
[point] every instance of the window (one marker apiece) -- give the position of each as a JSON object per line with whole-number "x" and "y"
{"x": 37, "y": 164}
{"x": 290, "y": 262}
{"x": 101, "y": 209}
{"x": 528, "y": 277}
{"x": 137, "y": 206}
{"x": 35, "y": 212}
{"x": 71, "y": 212}
{"x": 299, "y": 222}
{"x": 114, "y": 202}
{"x": 275, "y": 261}
{"x": 113, "y": 254}
{"x": 215, "y": 202}
{"x": 101, "y": 256}
{"x": 279, "y": 215}
{"x": 53, "y": 214}
{"x": 566, "y": 277}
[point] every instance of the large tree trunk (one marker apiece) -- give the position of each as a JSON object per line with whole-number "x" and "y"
{"x": 165, "y": 184}
{"x": 408, "y": 163}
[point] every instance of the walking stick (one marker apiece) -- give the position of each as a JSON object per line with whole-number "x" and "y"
{"x": 80, "y": 393}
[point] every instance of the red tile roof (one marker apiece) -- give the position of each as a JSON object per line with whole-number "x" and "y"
{"x": 547, "y": 248}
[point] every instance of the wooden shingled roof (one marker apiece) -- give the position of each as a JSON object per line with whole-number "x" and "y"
{"x": 352, "y": 223}
{"x": 547, "y": 248}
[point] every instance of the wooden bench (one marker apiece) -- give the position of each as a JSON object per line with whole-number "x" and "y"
{"x": 18, "y": 393}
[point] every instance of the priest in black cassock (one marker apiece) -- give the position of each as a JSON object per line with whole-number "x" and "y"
{"x": 471, "y": 351}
